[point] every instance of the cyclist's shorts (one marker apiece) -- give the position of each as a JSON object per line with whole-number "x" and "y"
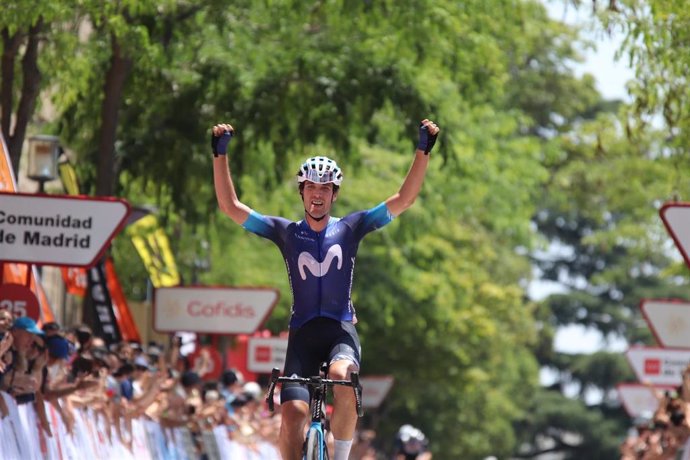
{"x": 319, "y": 340}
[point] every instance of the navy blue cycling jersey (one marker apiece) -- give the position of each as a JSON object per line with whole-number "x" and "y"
{"x": 320, "y": 265}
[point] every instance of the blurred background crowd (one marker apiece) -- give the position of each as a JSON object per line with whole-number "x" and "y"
{"x": 65, "y": 394}
{"x": 665, "y": 433}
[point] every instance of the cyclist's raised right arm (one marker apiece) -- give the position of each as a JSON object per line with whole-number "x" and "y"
{"x": 225, "y": 190}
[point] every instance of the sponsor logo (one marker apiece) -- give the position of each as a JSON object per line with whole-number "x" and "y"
{"x": 652, "y": 366}
{"x": 319, "y": 269}
{"x": 196, "y": 308}
{"x": 263, "y": 354}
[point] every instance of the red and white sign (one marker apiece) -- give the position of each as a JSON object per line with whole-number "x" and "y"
{"x": 265, "y": 353}
{"x": 58, "y": 229}
{"x": 669, "y": 321}
{"x": 212, "y": 310}
{"x": 375, "y": 389}
{"x": 676, "y": 218}
{"x": 638, "y": 399}
{"x": 20, "y": 300}
{"x": 658, "y": 366}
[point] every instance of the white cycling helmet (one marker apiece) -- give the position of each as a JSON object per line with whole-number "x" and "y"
{"x": 320, "y": 170}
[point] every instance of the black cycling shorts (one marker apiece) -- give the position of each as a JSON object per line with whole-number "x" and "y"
{"x": 319, "y": 340}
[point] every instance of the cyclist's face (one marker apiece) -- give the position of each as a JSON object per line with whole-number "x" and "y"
{"x": 318, "y": 198}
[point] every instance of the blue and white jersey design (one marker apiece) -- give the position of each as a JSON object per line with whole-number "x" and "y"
{"x": 321, "y": 264}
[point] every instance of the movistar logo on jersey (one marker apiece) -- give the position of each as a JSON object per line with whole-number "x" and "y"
{"x": 316, "y": 268}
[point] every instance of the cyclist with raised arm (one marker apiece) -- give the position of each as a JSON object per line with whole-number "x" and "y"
{"x": 319, "y": 253}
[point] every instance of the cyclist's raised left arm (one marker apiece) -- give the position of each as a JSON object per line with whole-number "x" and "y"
{"x": 406, "y": 196}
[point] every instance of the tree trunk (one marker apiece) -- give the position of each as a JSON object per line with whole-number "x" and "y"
{"x": 31, "y": 88}
{"x": 9, "y": 54}
{"x": 113, "y": 88}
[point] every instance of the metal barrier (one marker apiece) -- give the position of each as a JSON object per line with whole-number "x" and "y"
{"x": 22, "y": 438}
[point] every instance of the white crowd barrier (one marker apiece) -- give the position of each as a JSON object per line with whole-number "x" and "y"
{"x": 22, "y": 438}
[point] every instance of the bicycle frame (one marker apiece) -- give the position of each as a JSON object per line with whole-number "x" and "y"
{"x": 315, "y": 449}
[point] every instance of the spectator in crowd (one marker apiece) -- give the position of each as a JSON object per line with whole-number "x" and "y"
{"x": 5, "y": 322}
{"x": 364, "y": 448}
{"x": 154, "y": 350}
{"x": 23, "y": 377}
{"x": 68, "y": 395}
{"x": 58, "y": 382}
{"x": 84, "y": 336}
{"x": 51, "y": 328}
{"x": 191, "y": 386}
{"x": 124, "y": 377}
{"x": 231, "y": 385}
{"x": 666, "y": 434}
{"x": 411, "y": 444}
{"x": 6, "y": 339}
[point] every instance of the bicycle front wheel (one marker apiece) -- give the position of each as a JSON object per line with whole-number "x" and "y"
{"x": 315, "y": 448}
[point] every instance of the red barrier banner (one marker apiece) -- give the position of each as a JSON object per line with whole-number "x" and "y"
{"x": 123, "y": 315}
{"x": 75, "y": 280}
{"x": 74, "y": 277}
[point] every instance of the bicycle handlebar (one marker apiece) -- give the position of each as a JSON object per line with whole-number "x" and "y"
{"x": 314, "y": 382}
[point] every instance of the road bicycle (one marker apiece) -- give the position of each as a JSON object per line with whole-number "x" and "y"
{"x": 315, "y": 441}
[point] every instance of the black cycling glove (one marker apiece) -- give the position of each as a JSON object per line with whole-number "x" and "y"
{"x": 426, "y": 140}
{"x": 219, "y": 144}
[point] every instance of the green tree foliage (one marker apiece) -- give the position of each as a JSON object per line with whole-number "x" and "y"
{"x": 609, "y": 174}
{"x": 440, "y": 293}
{"x": 28, "y": 64}
{"x": 656, "y": 43}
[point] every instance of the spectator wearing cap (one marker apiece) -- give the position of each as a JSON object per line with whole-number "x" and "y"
{"x": 154, "y": 350}
{"x": 246, "y": 412}
{"x": 231, "y": 386}
{"x": 59, "y": 351}
{"x": 24, "y": 377}
{"x": 140, "y": 376}
{"x": 57, "y": 382}
{"x": 124, "y": 377}
{"x": 52, "y": 328}
{"x": 411, "y": 444}
{"x": 252, "y": 390}
{"x": 141, "y": 363}
{"x": 136, "y": 348}
{"x": 154, "y": 353}
{"x": 58, "y": 376}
